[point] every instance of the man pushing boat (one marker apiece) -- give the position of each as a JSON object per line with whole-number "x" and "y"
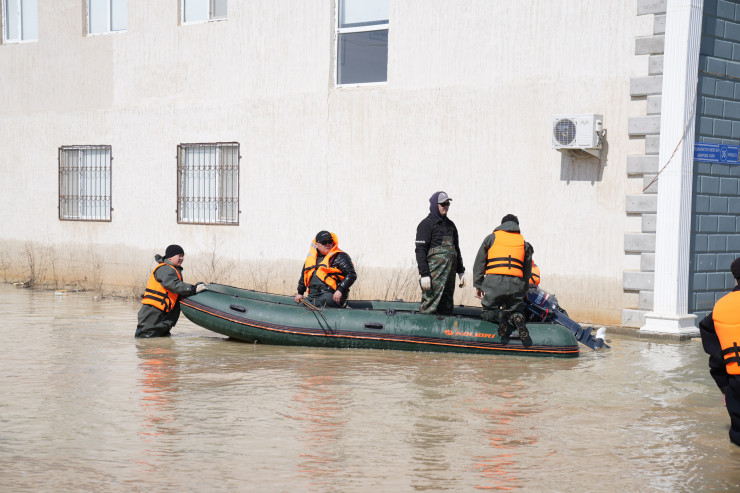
{"x": 161, "y": 301}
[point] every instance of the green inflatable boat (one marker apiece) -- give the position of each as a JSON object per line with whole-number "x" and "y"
{"x": 253, "y": 316}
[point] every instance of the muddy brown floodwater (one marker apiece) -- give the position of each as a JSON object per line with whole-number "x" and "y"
{"x": 86, "y": 407}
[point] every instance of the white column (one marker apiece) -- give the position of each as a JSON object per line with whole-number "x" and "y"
{"x": 673, "y": 227}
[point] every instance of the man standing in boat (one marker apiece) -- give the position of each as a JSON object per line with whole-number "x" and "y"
{"x": 720, "y": 336}
{"x": 438, "y": 257}
{"x": 327, "y": 274}
{"x": 501, "y": 276}
{"x": 161, "y": 301}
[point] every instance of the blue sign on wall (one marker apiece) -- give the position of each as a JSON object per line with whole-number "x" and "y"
{"x": 715, "y": 153}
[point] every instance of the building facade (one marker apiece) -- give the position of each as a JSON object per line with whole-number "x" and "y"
{"x": 240, "y": 129}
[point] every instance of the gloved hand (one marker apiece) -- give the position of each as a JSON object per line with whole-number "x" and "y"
{"x": 461, "y": 276}
{"x": 200, "y": 287}
{"x": 426, "y": 283}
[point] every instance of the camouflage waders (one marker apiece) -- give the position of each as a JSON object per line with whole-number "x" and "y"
{"x": 503, "y": 305}
{"x": 442, "y": 266}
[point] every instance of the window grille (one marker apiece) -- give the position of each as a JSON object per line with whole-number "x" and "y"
{"x": 362, "y": 41}
{"x": 85, "y": 183}
{"x": 208, "y": 183}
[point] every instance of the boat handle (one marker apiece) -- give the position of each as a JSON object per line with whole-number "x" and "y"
{"x": 238, "y": 308}
{"x": 373, "y": 325}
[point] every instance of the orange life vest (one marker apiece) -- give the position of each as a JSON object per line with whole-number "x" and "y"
{"x": 726, "y": 316}
{"x": 329, "y": 275}
{"x": 535, "y": 279}
{"x": 506, "y": 255}
{"x": 157, "y": 296}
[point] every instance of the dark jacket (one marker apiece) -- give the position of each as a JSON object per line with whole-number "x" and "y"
{"x": 479, "y": 267}
{"x": 713, "y": 348}
{"x": 153, "y": 322}
{"x": 429, "y": 234}
{"x": 341, "y": 261}
{"x": 170, "y": 281}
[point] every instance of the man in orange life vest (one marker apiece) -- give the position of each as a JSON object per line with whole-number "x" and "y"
{"x": 534, "y": 279}
{"x": 161, "y": 301}
{"x": 720, "y": 336}
{"x": 501, "y": 276}
{"x": 327, "y": 274}
{"x": 534, "y": 283}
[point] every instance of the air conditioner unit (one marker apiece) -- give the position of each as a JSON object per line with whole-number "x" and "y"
{"x": 582, "y": 132}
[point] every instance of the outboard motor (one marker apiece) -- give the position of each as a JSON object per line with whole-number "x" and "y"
{"x": 543, "y": 307}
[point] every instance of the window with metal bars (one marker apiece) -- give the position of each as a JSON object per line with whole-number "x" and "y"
{"x": 85, "y": 183}
{"x": 208, "y": 183}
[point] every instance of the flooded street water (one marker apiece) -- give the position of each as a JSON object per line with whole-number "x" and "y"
{"x": 86, "y": 407}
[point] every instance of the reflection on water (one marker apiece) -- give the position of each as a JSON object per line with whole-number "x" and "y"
{"x": 317, "y": 411}
{"x": 158, "y": 385}
{"x": 86, "y": 407}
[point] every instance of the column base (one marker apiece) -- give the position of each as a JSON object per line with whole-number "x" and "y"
{"x": 670, "y": 323}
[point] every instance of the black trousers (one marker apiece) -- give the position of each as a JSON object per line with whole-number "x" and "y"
{"x": 732, "y": 397}
{"x": 324, "y": 299}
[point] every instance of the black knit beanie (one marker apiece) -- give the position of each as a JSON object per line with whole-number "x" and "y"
{"x": 173, "y": 250}
{"x": 510, "y": 217}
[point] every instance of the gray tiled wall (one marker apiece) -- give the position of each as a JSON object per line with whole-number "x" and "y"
{"x": 715, "y": 224}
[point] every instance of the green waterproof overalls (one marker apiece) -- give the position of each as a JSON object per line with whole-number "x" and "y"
{"x": 442, "y": 267}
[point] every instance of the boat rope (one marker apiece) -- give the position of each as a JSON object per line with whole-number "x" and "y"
{"x": 315, "y": 309}
{"x": 214, "y": 288}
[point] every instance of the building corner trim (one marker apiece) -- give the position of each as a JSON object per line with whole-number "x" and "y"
{"x": 673, "y": 221}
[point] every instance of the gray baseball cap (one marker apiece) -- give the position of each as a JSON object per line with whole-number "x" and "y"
{"x": 443, "y": 197}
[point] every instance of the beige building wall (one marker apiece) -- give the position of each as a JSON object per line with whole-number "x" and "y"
{"x": 472, "y": 88}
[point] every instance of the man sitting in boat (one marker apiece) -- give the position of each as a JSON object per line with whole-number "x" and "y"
{"x": 534, "y": 278}
{"x": 327, "y": 273}
{"x": 161, "y": 301}
{"x": 534, "y": 287}
{"x": 501, "y": 275}
{"x": 544, "y": 307}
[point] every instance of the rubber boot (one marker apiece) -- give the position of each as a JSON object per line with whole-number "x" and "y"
{"x": 521, "y": 327}
{"x": 503, "y": 325}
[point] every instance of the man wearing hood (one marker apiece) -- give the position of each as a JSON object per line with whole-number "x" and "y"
{"x": 501, "y": 276}
{"x": 161, "y": 301}
{"x": 327, "y": 273}
{"x": 438, "y": 257}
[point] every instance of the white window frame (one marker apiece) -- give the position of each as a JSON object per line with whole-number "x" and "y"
{"x": 349, "y": 30}
{"x": 212, "y": 16}
{"x": 85, "y": 182}
{"x": 208, "y": 189}
{"x": 109, "y": 21}
{"x": 4, "y": 21}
